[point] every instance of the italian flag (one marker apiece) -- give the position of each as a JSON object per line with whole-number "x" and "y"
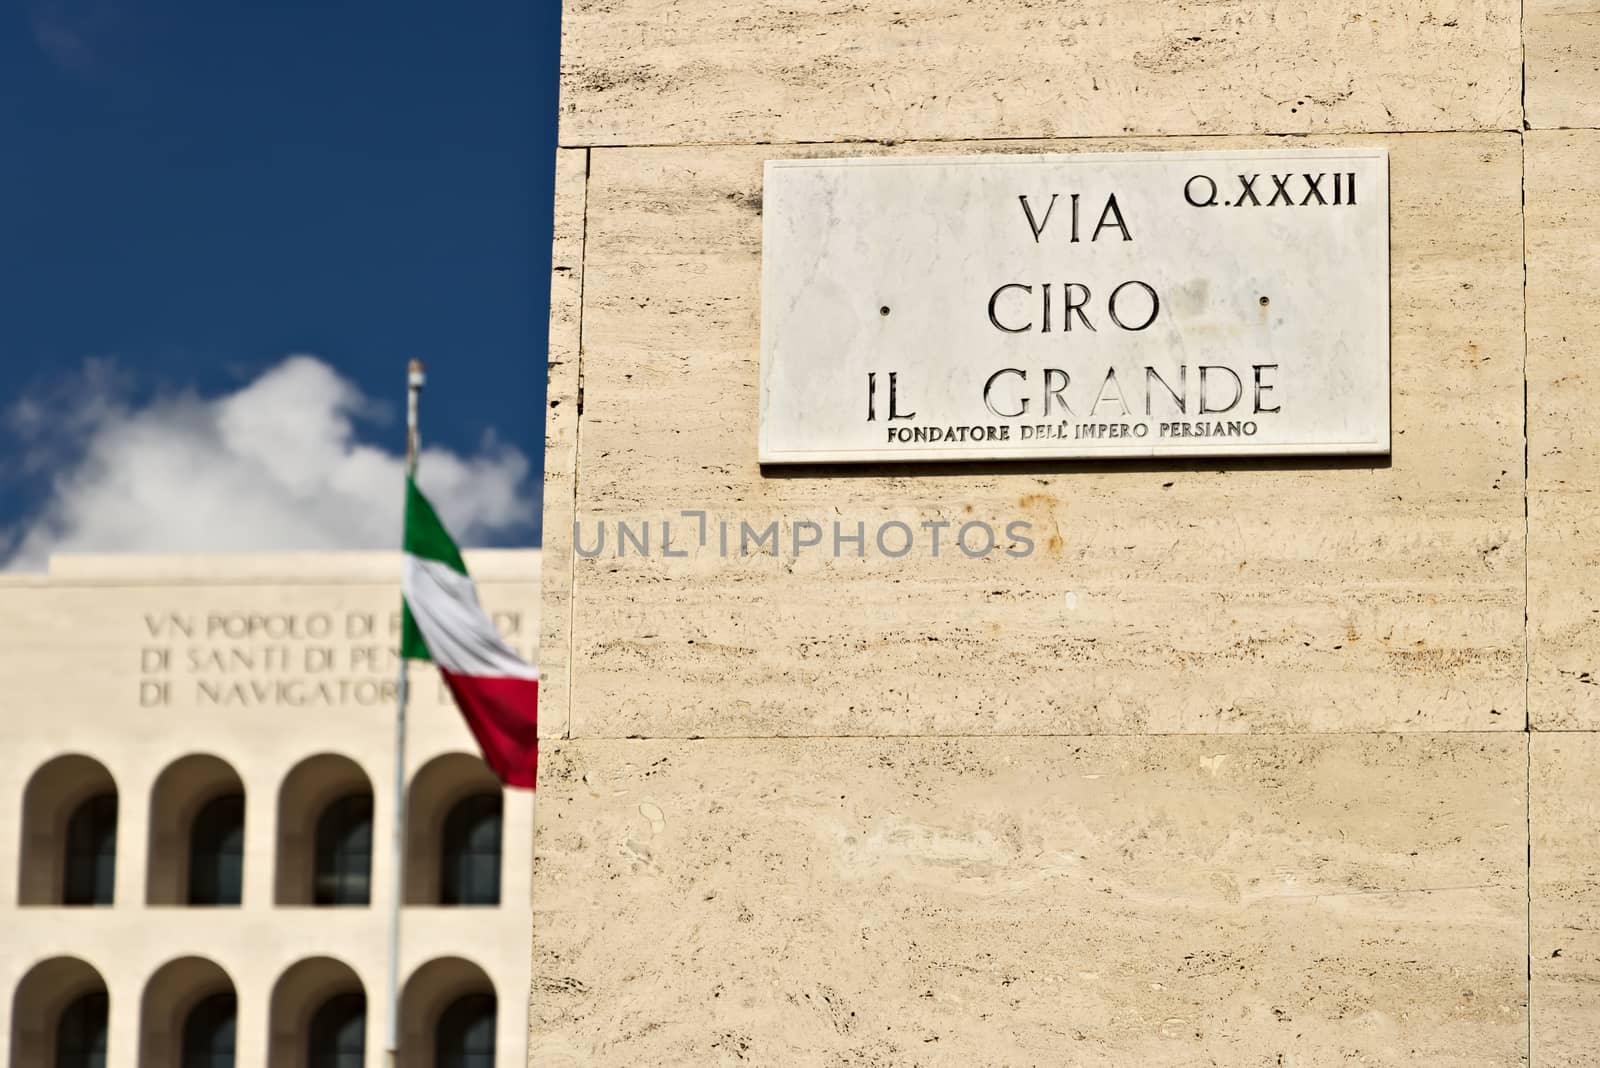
{"x": 497, "y": 693}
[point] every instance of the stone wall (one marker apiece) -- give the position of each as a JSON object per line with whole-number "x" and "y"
{"x": 1244, "y": 765}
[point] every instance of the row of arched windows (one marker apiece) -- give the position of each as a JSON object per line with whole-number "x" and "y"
{"x": 197, "y": 819}
{"x": 188, "y": 1017}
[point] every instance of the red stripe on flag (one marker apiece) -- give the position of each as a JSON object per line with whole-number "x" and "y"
{"x": 503, "y": 715}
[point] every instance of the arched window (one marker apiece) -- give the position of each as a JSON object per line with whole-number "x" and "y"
{"x": 344, "y": 852}
{"x": 91, "y": 862}
{"x": 216, "y": 852}
{"x": 81, "y": 1032}
{"x": 208, "y": 1033}
{"x": 69, "y": 820}
{"x": 466, "y": 1033}
{"x": 339, "y": 1033}
{"x": 470, "y": 857}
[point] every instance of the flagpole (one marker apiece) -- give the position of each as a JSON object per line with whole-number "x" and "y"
{"x": 415, "y": 378}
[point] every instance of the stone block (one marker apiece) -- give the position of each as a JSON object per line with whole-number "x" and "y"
{"x": 1563, "y": 250}
{"x": 1564, "y": 897}
{"x": 651, "y": 72}
{"x": 561, "y": 440}
{"x": 1092, "y": 901}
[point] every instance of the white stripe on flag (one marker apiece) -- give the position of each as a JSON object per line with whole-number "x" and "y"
{"x": 460, "y": 636}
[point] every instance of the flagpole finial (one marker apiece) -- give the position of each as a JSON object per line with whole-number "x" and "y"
{"x": 416, "y": 376}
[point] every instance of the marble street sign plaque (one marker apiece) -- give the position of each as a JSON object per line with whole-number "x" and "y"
{"x": 1125, "y": 304}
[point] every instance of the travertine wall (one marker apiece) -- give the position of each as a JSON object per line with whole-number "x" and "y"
{"x": 1244, "y": 764}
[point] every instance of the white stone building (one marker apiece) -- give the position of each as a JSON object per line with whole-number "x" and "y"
{"x": 196, "y": 854}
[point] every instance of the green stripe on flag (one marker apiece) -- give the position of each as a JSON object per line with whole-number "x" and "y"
{"x": 426, "y": 537}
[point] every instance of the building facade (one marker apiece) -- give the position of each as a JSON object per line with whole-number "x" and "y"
{"x": 1247, "y": 762}
{"x": 196, "y": 845}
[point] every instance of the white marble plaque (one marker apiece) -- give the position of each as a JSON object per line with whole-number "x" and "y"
{"x": 1011, "y": 307}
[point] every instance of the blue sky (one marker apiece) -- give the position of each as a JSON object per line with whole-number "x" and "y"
{"x": 192, "y": 191}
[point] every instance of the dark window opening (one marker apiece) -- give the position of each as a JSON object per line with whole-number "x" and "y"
{"x": 338, "y": 1036}
{"x": 216, "y": 852}
{"x": 344, "y": 853}
{"x": 208, "y": 1033}
{"x": 81, "y": 1033}
{"x": 465, "y": 1038}
{"x": 91, "y": 861}
{"x": 470, "y": 858}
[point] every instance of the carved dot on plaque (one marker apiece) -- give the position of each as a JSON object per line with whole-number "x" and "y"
{"x": 884, "y": 310}
{"x": 1264, "y": 302}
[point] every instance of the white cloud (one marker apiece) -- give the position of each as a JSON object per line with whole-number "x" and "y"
{"x": 273, "y": 466}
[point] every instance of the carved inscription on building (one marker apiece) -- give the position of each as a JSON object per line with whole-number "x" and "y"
{"x": 311, "y": 659}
